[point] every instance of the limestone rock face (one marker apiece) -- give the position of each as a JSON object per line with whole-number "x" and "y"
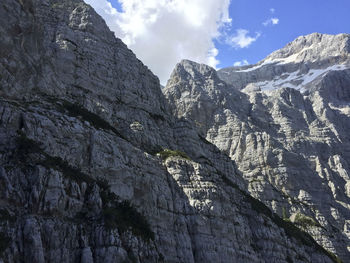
{"x": 94, "y": 167}
{"x": 291, "y": 145}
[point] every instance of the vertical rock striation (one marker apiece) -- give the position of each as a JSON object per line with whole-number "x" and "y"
{"x": 285, "y": 123}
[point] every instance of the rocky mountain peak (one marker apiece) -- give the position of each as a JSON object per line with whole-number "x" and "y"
{"x": 300, "y": 65}
{"x": 312, "y": 48}
{"x": 191, "y": 82}
{"x": 187, "y": 70}
{"x": 190, "y": 77}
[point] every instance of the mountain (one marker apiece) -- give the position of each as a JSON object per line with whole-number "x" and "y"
{"x": 284, "y": 122}
{"x": 95, "y": 168}
{"x": 299, "y": 65}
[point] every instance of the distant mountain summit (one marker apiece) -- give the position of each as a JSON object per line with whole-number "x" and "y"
{"x": 299, "y": 65}
{"x": 312, "y": 49}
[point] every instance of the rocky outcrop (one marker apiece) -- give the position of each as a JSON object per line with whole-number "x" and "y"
{"x": 93, "y": 166}
{"x": 290, "y": 144}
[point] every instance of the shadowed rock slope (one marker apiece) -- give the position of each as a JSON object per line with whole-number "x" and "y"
{"x": 94, "y": 168}
{"x": 291, "y": 144}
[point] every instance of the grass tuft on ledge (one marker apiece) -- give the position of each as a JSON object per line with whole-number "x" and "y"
{"x": 166, "y": 153}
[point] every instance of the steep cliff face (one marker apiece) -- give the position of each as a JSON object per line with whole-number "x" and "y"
{"x": 289, "y": 139}
{"x": 94, "y": 168}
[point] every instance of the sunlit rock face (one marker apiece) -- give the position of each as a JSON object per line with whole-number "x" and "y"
{"x": 95, "y": 168}
{"x": 285, "y": 123}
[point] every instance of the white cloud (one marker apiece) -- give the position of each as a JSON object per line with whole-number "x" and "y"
{"x": 244, "y": 62}
{"x": 272, "y": 10}
{"x": 162, "y": 32}
{"x": 271, "y": 21}
{"x": 242, "y": 39}
{"x": 275, "y": 21}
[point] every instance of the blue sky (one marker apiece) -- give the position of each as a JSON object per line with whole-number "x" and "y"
{"x": 219, "y": 33}
{"x": 116, "y": 5}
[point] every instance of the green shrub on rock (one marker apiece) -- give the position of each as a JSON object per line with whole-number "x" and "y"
{"x": 166, "y": 153}
{"x": 304, "y": 220}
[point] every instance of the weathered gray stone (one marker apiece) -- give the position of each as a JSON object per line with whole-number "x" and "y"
{"x": 81, "y": 121}
{"x": 291, "y": 147}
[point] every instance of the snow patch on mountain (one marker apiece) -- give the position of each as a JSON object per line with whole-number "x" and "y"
{"x": 297, "y": 80}
{"x": 257, "y": 66}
